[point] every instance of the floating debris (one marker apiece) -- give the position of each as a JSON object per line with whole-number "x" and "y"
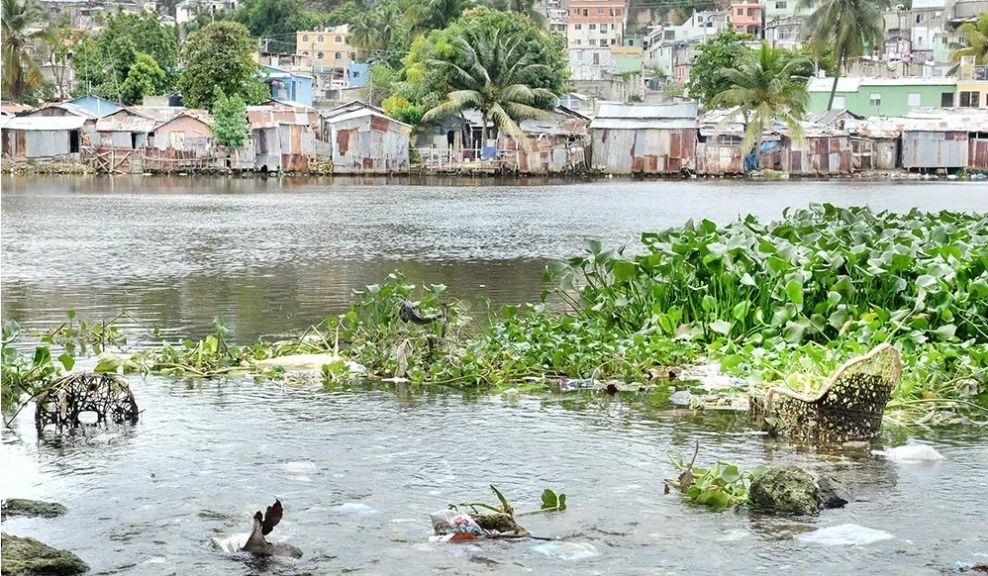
{"x": 845, "y": 535}
{"x": 88, "y": 398}
{"x": 911, "y": 453}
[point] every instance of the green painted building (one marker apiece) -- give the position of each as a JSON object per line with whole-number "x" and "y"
{"x": 882, "y": 96}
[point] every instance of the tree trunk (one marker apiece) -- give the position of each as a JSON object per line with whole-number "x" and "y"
{"x": 833, "y": 90}
{"x": 483, "y": 132}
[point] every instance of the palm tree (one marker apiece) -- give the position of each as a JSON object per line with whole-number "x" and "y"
{"x": 763, "y": 88}
{"x": 976, "y": 36}
{"x": 492, "y": 80}
{"x": 21, "y": 74}
{"x": 848, "y": 26}
{"x": 524, "y": 7}
{"x": 375, "y": 32}
{"x": 437, "y": 14}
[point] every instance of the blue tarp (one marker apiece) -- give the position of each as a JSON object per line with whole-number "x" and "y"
{"x": 751, "y": 162}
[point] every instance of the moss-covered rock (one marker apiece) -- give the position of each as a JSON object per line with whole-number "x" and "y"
{"x": 789, "y": 490}
{"x": 23, "y": 507}
{"x": 27, "y": 556}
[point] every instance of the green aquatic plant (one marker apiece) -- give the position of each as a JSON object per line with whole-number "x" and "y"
{"x": 720, "y": 486}
{"x": 24, "y": 375}
{"x": 551, "y": 502}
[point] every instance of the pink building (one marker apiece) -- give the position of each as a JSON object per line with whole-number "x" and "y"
{"x": 746, "y": 18}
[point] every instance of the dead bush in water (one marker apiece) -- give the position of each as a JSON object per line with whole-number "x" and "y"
{"x": 64, "y": 404}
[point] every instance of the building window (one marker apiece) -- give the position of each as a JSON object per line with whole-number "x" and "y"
{"x": 946, "y": 100}
{"x": 780, "y": 5}
{"x": 353, "y": 55}
{"x": 305, "y": 38}
{"x": 593, "y": 26}
{"x": 919, "y": 18}
{"x": 613, "y": 41}
{"x": 578, "y": 55}
{"x": 593, "y": 41}
{"x": 321, "y": 39}
{"x": 319, "y": 55}
{"x": 596, "y": 58}
{"x": 839, "y": 103}
{"x": 913, "y": 99}
{"x": 600, "y": 11}
{"x": 577, "y": 42}
{"x": 338, "y": 55}
{"x": 578, "y": 27}
{"x": 338, "y": 39}
{"x": 586, "y": 12}
{"x": 875, "y": 99}
{"x": 740, "y": 11}
{"x": 970, "y": 99}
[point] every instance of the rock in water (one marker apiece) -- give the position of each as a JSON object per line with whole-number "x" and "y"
{"x": 833, "y": 493}
{"x": 27, "y": 556}
{"x": 31, "y": 508}
{"x": 789, "y": 490}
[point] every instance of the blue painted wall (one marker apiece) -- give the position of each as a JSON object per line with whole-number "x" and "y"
{"x": 287, "y": 85}
{"x": 358, "y": 73}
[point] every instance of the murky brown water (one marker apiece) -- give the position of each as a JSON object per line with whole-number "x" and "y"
{"x": 359, "y": 471}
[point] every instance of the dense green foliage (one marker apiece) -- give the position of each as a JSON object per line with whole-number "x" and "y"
{"x": 230, "y": 127}
{"x": 21, "y": 76}
{"x": 766, "y": 87}
{"x": 723, "y": 51}
{"x": 975, "y": 35}
{"x": 104, "y": 61}
{"x": 220, "y": 56}
{"x": 847, "y": 27}
{"x": 494, "y": 79}
{"x": 781, "y": 302}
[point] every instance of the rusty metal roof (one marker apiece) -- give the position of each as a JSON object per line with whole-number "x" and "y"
{"x": 36, "y": 123}
{"x": 269, "y": 117}
{"x": 621, "y": 115}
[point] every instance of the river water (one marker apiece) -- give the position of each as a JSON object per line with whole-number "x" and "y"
{"x": 359, "y": 470}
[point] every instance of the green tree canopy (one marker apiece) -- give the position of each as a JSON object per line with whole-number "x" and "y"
{"x": 493, "y": 71}
{"x": 766, "y": 86}
{"x": 975, "y": 35}
{"x": 229, "y": 119}
{"x": 21, "y": 75}
{"x": 848, "y": 27}
{"x": 220, "y": 56}
{"x": 145, "y": 78}
{"x": 103, "y": 61}
{"x": 725, "y": 50}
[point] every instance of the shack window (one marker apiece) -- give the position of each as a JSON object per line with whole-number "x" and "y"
{"x": 875, "y": 99}
{"x": 970, "y": 99}
{"x": 73, "y": 141}
{"x": 913, "y": 99}
{"x": 946, "y": 99}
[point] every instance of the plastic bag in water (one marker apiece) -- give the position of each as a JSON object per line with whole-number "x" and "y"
{"x": 845, "y": 535}
{"x": 453, "y": 525}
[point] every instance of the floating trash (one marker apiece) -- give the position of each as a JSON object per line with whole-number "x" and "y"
{"x": 845, "y": 535}
{"x": 681, "y": 398}
{"x": 566, "y": 550}
{"x": 354, "y": 509}
{"x": 910, "y": 453}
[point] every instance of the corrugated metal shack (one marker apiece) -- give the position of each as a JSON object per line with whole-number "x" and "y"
{"x": 309, "y": 111}
{"x": 44, "y": 137}
{"x": 552, "y": 145}
{"x": 644, "y": 138}
{"x": 934, "y": 149}
{"x": 367, "y": 141}
{"x": 129, "y": 128}
{"x": 181, "y": 143}
{"x": 822, "y": 151}
{"x": 718, "y": 150}
{"x": 62, "y": 109}
{"x": 282, "y": 139}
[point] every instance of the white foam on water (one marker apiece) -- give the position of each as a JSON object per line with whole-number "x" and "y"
{"x": 300, "y": 467}
{"x": 845, "y": 535}
{"x": 566, "y": 550}
{"x": 911, "y": 453}
{"x": 354, "y": 509}
{"x": 231, "y": 544}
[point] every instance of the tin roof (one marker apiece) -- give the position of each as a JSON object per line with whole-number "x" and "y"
{"x": 361, "y": 113}
{"x": 855, "y": 84}
{"x": 51, "y": 123}
{"x": 349, "y": 107}
{"x": 621, "y": 115}
{"x": 69, "y": 107}
{"x": 269, "y": 117}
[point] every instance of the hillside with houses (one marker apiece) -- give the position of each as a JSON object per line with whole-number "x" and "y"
{"x": 564, "y": 87}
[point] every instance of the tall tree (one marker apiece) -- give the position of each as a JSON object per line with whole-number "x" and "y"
{"x": 766, "y": 86}
{"x": 382, "y": 33}
{"x": 849, "y": 27}
{"x": 437, "y": 14}
{"x": 526, "y": 8}
{"x": 724, "y": 50}
{"x": 145, "y": 78}
{"x": 494, "y": 80}
{"x": 21, "y": 24}
{"x": 220, "y": 55}
{"x": 975, "y": 35}
{"x": 229, "y": 119}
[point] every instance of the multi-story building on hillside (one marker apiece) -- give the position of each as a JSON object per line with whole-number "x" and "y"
{"x": 325, "y": 53}
{"x": 592, "y": 27}
{"x": 746, "y": 17}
